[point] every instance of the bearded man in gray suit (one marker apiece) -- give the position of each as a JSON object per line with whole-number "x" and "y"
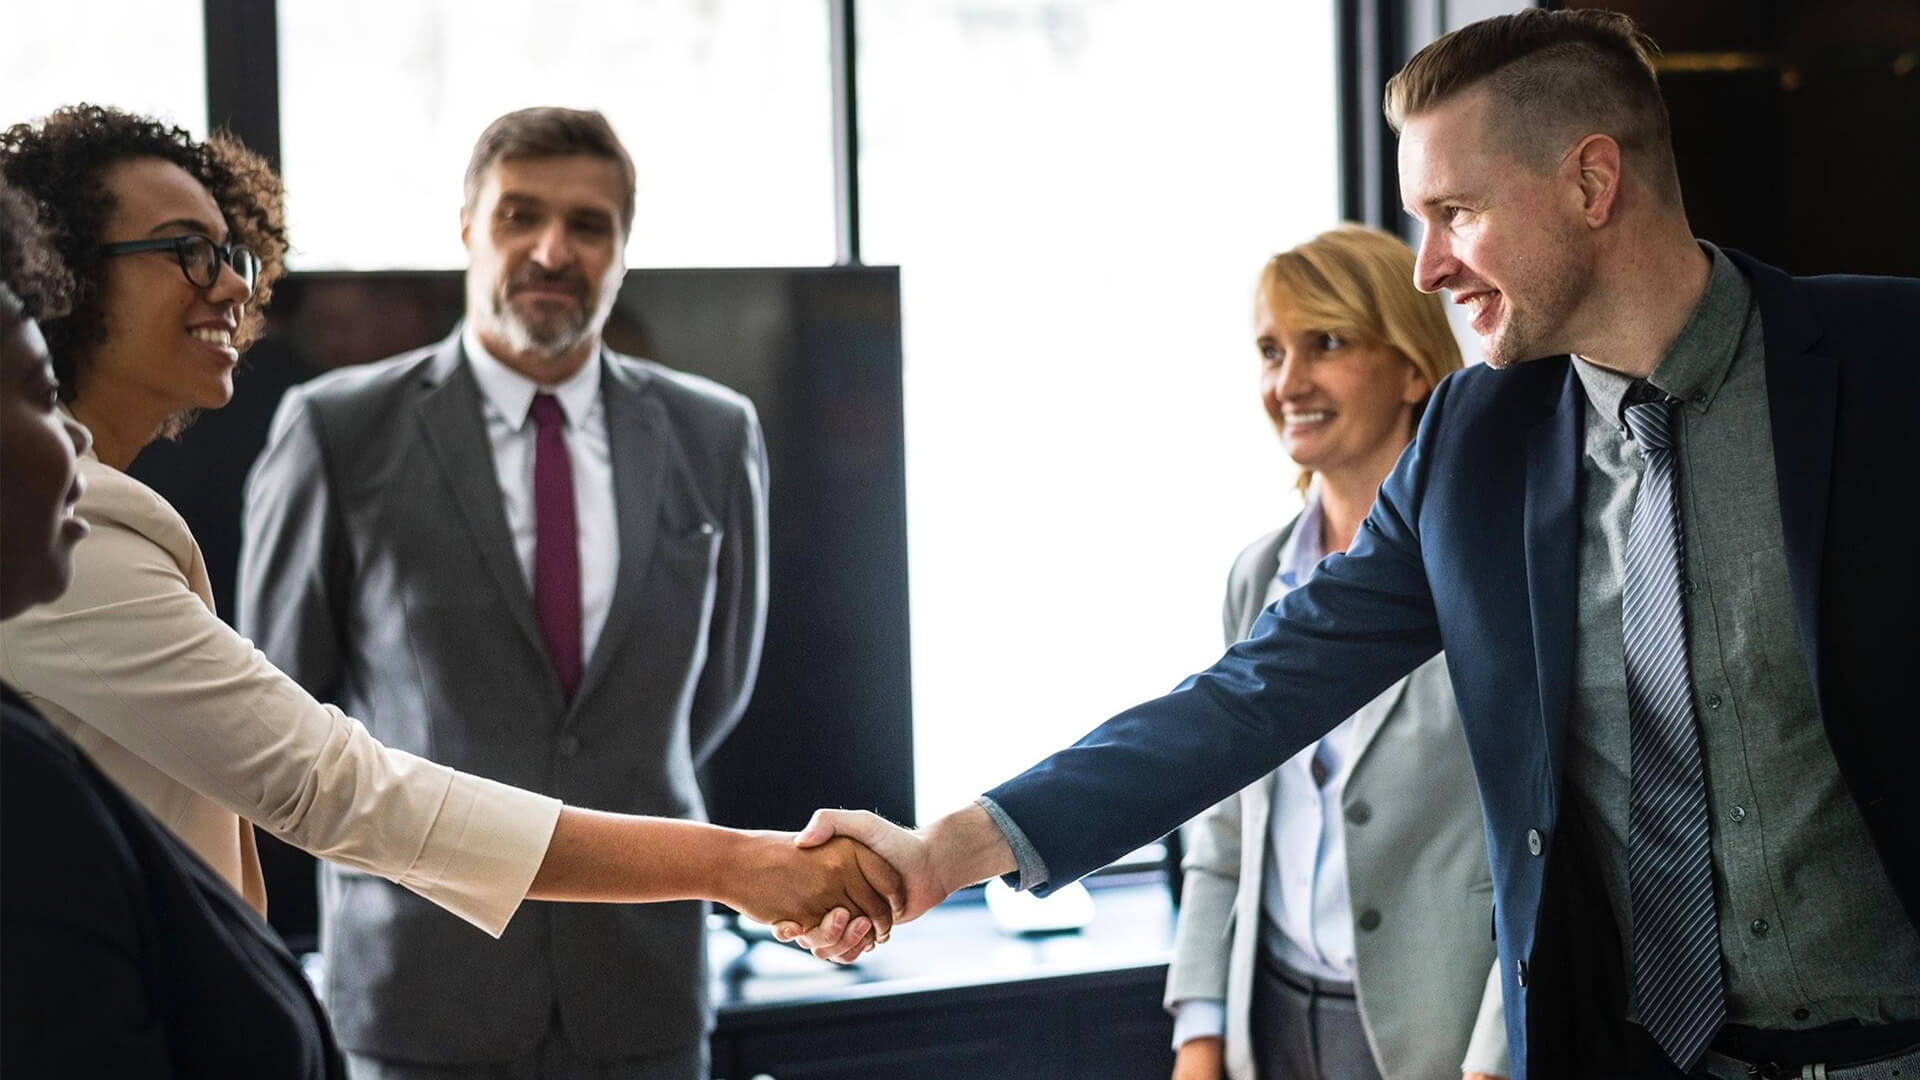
{"x": 532, "y": 558}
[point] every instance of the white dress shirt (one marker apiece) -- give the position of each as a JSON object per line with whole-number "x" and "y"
{"x": 507, "y": 397}
{"x": 1303, "y": 897}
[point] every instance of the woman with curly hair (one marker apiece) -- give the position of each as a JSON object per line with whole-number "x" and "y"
{"x": 121, "y": 954}
{"x": 175, "y": 244}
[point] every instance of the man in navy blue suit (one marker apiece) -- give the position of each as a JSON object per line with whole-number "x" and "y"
{"x": 1665, "y": 543}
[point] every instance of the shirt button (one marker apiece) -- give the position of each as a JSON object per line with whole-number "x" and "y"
{"x": 1738, "y": 813}
{"x": 1369, "y": 920}
{"x": 1698, "y": 397}
{"x": 1713, "y": 701}
{"x": 1533, "y": 841}
{"x": 1759, "y": 927}
{"x": 1690, "y": 588}
{"x": 1801, "y": 1014}
{"x": 569, "y": 745}
{"x": 1360, "y": 813}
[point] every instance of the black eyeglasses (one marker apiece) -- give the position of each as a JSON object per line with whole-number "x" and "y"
{"x": 200, "y": 258}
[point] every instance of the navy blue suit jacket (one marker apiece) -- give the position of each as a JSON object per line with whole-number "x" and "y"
{"x": 1472, "y": 547}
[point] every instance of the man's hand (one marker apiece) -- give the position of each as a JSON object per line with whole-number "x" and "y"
{"x": 952, "y": 853}
{"x": 1480, "y": 1076}
{"x": 1203, "y": 1058}
{"x": 780, "y": 882}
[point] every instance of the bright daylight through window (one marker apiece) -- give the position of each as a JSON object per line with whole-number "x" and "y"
{"x": 1080, "y": 196}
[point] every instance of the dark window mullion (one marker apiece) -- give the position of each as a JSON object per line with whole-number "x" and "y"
{"x": 243, "y": 72}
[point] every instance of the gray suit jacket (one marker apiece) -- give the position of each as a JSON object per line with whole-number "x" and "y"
{"x": 1416, "y": 860}
{"x": 378, "y": 570}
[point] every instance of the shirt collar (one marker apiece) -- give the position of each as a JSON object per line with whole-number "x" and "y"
{"x": 512, "y": 393}
{"x": 1302, "y": 551}
{"x": 1696, "y": 364}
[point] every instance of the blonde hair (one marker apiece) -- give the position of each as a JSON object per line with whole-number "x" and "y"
{"x": 1357, "y": 281}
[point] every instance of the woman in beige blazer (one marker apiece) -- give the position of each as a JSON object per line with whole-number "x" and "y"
{"x": 175, "y": 245}
{"x": 1334, "y": 917}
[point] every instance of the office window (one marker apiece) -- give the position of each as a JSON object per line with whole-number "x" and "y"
{"x": 724, "y": 105}
{"x": 144, "y": 56}
{"x": 1080, "y": 196}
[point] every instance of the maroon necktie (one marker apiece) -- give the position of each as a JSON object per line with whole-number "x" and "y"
{"x": 556, "y": 542}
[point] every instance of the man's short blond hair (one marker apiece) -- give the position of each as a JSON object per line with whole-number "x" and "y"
{"x": 1554, "y": 77}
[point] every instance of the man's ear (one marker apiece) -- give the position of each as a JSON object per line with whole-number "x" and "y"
{"x": 1596, "y": 164}
{"x": 466, "y": 227}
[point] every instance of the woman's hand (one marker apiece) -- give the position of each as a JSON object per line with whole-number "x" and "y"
{"x": 777, "y": 882}
{"x": 1201, "y": 1059}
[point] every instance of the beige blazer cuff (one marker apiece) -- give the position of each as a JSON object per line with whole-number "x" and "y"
{"x": 483, "y": 851}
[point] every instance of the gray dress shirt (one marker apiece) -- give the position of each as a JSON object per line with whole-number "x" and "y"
{"x": 1811, "y": 931}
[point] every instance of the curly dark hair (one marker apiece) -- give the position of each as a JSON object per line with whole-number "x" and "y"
{"x": 62, "y": 164}
{"x": 28, "y": 264}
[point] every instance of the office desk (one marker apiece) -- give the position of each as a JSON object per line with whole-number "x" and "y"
{"x": 953, "y": 998}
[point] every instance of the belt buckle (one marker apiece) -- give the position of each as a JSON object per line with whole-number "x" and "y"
{"x": 1773, "y": 1070}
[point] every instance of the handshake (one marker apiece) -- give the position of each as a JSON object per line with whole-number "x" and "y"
{"x": 838, "y": 887}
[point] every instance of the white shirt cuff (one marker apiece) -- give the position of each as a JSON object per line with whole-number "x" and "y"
{"x": 1198, "y": 1018}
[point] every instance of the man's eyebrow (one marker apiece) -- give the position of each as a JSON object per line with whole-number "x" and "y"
{"x": 1435, "y": 200}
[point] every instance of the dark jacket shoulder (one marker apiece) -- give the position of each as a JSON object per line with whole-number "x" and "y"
{"x": 691, "y": 401}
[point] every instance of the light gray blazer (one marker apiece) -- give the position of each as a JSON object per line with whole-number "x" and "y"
{"x": 1426, "y": 975}
{"x": 379, "y": 572}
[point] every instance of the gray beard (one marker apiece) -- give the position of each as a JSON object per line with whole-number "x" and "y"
{"x": 550, "y": 340}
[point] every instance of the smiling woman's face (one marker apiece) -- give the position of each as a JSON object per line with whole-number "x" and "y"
{"x": 169, "y": 343}
{"x": 1342, "y": 408}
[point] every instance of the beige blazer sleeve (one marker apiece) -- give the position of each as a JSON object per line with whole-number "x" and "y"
{"x": 181, "y": 710}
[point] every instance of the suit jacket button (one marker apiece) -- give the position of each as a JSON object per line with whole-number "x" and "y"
{"x": 569, "y": 745}
{"x": 1533, "y": 841}
{"x": 1360, "y": 813}
{"x": 1369, "y": 920}
{"x": 1520, "y": 971}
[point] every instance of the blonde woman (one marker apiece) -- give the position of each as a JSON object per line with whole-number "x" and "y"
{"x": 1334, "y": 918}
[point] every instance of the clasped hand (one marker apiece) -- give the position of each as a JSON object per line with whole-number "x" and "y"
{"x": 839, "y": 888}
{"x": 908, "y": 854}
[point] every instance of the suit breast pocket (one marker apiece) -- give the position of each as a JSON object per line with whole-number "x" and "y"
{"x": 678, "y": 595}
{"x": 693, "y": 547}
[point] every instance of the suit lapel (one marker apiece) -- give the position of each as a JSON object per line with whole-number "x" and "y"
{"x": 457, "y": 431}
{"x": 1552, "y": 529}
{"x": 1802, "y": 392}
{"x": 1371, "y": 718}
{"x": 636, "y": 427}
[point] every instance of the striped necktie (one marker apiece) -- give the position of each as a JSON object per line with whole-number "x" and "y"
{"x": 1676, "y": 938}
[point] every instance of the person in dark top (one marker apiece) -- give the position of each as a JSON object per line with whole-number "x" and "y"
{"x": 121, "y": 953}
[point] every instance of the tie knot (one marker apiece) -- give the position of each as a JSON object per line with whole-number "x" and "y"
{"x": 1652, "y": 424}
{"x": 546, "y": 411}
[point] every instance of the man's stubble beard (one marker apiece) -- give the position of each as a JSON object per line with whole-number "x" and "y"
{"x": 1529, "y": 334}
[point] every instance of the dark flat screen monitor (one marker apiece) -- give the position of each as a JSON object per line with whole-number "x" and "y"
{"x": 818, "y": 352}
